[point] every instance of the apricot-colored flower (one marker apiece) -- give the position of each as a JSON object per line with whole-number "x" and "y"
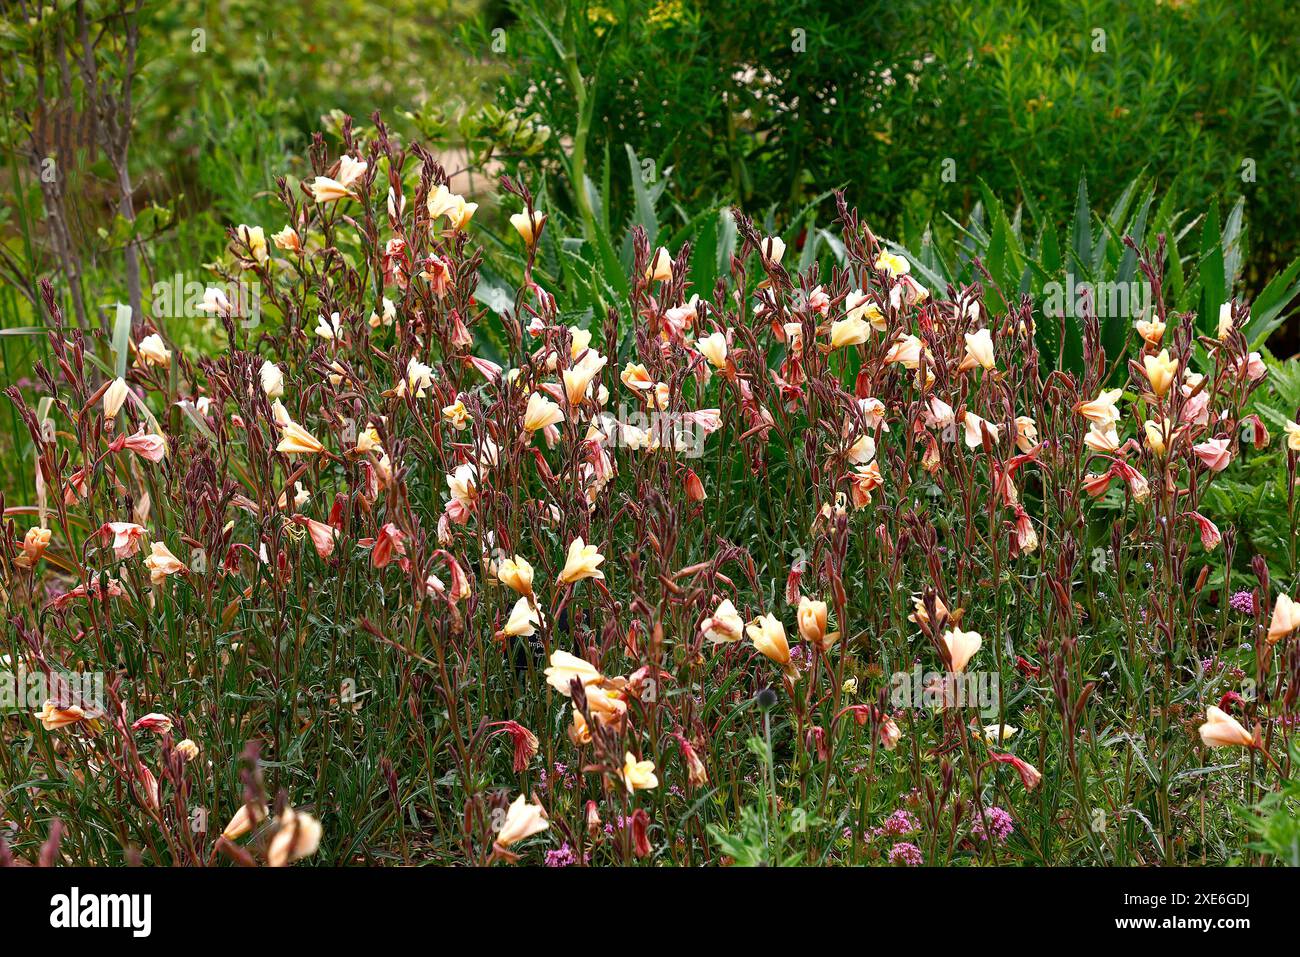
{"x": 528, "y": 227}
{"x": 1222, "y": 730}
{"x": 52, "y": 717}
{"x": 1101, "y": 410}
{"x": 297, "y": 836}
{"x": 244, "y": 820}
{"x": 516, "y": 574}
{"x": 1285, "y": 620}
{"x": 961, "y": 646}
{"x": 326, "y": 190}
{"x": 541, "y": 413}
{"x": 161, "y": 563}
{"x": 35, "y": 542}
{"x": 1160, "y": 370}
{"x": 768, "y": 635}
{"x": 812, "y": 618}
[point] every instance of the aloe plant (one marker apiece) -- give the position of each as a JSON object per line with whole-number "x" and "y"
{"x": 1202, "y": 269}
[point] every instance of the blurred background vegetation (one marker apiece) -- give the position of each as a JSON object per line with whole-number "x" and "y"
{"x": 1032, "y": 134}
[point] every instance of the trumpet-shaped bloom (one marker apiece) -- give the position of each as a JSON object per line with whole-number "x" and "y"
{"x": 1222, "y": 730}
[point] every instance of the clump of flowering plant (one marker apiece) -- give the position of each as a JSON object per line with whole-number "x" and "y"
{"x": 501, "y": 584}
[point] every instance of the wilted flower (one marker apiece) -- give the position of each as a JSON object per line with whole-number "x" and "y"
{"x": 53, "y": 717}
{"x": 161, "y": 563}
{"x": 125, "y": 537}
{"x": 297, "y": 836}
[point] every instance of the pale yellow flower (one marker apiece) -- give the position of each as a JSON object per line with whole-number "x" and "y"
{"x": 564, "y": 667}
{"x": 295, "y": 440}
{"x": 541, "y": 412}
{"x": 638, "y": 775}
{"x": 114, "y": 396}
{"x": 1160, "y": 370}
{"x": 152, "y": 352}
{"x": 528, "y": 228}
{"x": 523, "y": 820}
{"x": 582, "y": 562}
